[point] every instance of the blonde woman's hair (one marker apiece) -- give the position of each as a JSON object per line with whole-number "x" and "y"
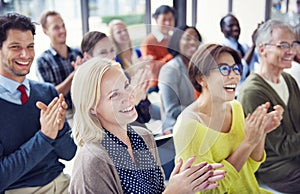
{"x": 85, "y": 93}
{"x": 119, "y": 50}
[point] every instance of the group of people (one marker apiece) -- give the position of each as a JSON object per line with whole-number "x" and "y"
{"x": 225, "y": 143}
{"x": 35, "y": 134}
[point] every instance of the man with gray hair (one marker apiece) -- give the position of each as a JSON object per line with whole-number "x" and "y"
{"x": 276, "y": 46}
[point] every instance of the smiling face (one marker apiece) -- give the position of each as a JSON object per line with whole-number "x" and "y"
{"x": 165, "y": 22}
{"x": 231, "y": 28}
{"x": 220, "y": 86}
{"x": 56, "y": 29}
{"x": 189, "y": 43}
{"x": 17, "y": 54}
{"x": 275, "y": 57}
{"x": 120, "y": 34}
{"x": 116, "y": 105}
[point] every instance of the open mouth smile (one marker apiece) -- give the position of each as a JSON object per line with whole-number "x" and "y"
{"x": 230, "y": 87}
{"x": 128, "y": 109}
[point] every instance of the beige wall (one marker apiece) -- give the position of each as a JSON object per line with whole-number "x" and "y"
{"x": 248, "y": 12}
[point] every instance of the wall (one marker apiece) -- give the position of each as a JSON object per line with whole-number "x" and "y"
{"x": 210, "y": 12}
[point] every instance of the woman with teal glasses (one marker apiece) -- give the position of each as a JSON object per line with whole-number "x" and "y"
{"x": 214, "y": 129}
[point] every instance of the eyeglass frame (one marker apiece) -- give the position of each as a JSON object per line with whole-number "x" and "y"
{"x": 240, "y": 66}
{"x": 281, "y": 45}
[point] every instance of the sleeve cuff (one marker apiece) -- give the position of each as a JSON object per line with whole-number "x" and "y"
{"x": 48, "y": 139}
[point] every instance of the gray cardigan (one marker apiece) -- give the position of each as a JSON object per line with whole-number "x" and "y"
{"x": 176, "y": 90}
{"x": 94, "y": 171}
{"x": 283, "y": 144}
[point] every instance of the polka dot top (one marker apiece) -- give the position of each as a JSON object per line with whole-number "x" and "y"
{"x": 143, "y": 176}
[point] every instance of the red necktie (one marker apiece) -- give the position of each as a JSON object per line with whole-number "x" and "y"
{"x": 24, "y": 97}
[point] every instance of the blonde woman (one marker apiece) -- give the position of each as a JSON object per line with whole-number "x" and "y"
{"x": 95, "y": 44}
{"x": 126, "y": 54}
{"x": 131, "y": 60}
{"x": 115, "y": 157}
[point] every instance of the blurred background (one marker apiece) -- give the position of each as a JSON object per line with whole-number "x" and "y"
{"x": 81, "y": 16}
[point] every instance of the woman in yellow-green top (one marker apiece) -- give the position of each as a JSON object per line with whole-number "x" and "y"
{"x": 214, "y": 129}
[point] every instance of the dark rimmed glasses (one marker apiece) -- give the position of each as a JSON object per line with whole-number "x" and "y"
{"x": 285, "y": 45}
{"x": 225, "y": 69}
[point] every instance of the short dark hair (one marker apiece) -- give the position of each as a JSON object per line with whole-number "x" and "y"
{"x": 45, "y": 15}
{"x": 173, "y": 46}
{"x": 205, "y": 59}
{"x": 14, "y": 21}
{"x": 89, "y": 41}
{"x": 222, "y": 22}
{"x": 163, "y": 9}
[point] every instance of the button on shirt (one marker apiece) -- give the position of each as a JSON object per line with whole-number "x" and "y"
{"x": 9, "y": 92}
{"x": 143, "y": 176}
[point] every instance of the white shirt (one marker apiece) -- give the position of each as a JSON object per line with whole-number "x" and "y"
{"x": 160, "y": 36}
{"x": 281, "y": 89}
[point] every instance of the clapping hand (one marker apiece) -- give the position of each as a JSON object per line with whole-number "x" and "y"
{"x": 260, "y": 122}
{"x": 79, "y": 61}
{"x": 52, "y": 117}
{"x": 273, "y": 118}
{"x": 254, "y": 125}
{"x": 140, "y": 80}
{"x": 191, "y": 179}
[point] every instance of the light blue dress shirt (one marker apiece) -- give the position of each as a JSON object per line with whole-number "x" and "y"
{"x": 9, "y": 92}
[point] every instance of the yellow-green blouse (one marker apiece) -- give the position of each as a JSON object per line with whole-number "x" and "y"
{"x": 191, "y": 138}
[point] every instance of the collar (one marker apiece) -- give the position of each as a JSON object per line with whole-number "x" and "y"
{"x": 158, "y": 35}
{"x": 12, "y": 85}
{"x": 54, "y": 52}
{"x": 230, "y": 41}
